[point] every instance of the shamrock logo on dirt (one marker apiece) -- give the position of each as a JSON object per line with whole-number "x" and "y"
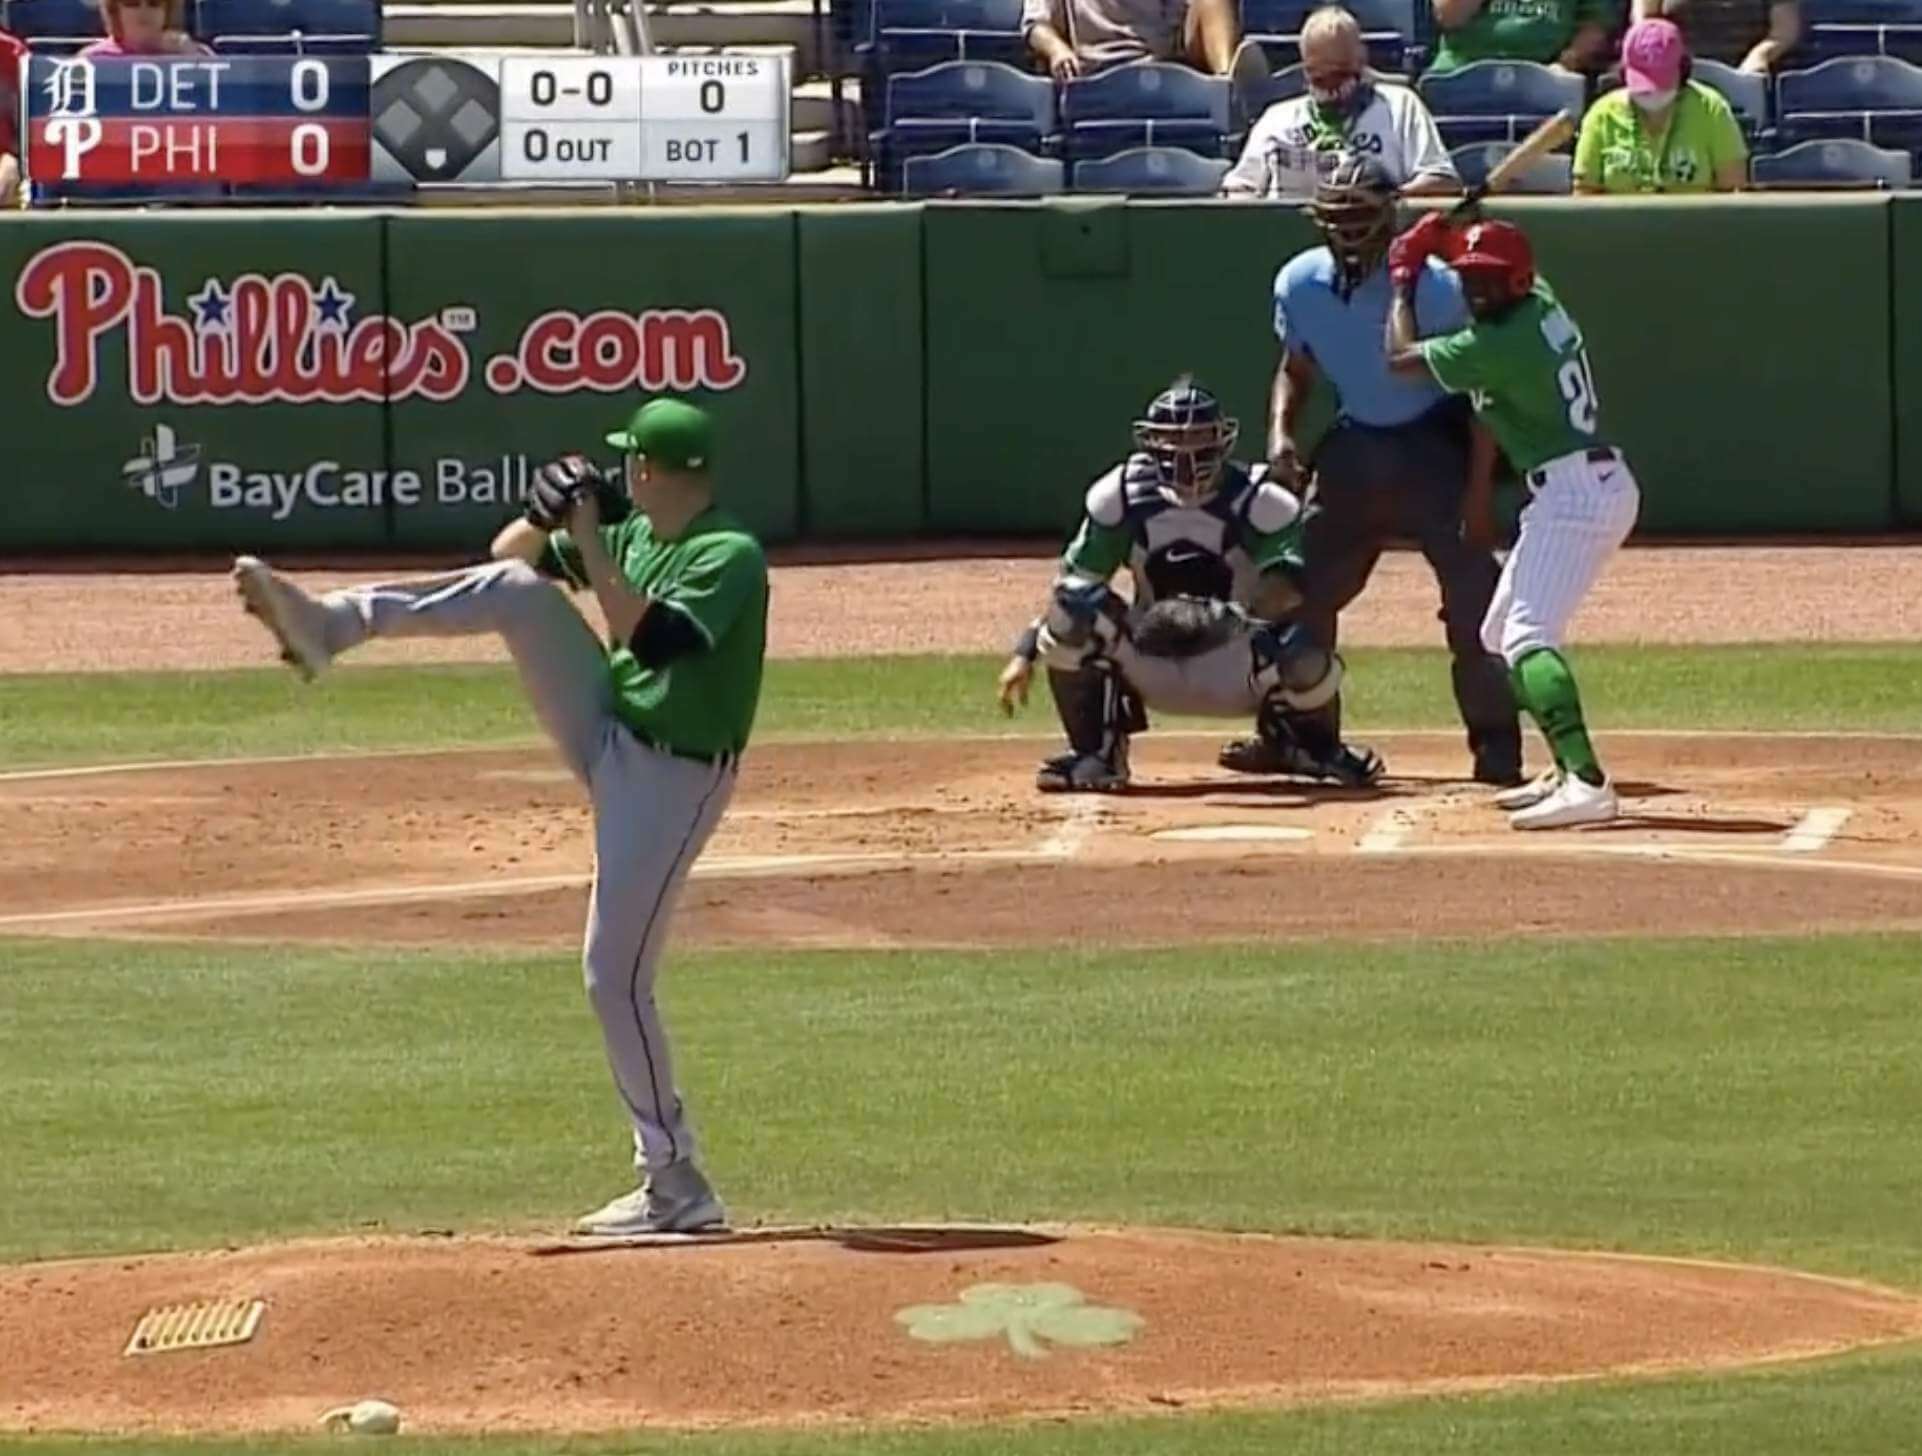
{"x": 1027, "y": 1314}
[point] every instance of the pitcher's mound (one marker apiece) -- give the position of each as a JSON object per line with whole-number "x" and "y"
{"x": 483, "y": 1335}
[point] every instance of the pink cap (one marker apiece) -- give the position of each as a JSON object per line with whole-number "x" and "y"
{"x": 1652, "y": 56}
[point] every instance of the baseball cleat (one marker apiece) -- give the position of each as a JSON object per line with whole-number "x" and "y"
{"x": 298, "y": 622}
{"x": 1574, "y": 802}
{"x": 676, "y": 1199}
{"x": 1354, "y": 766}
{"x": 1528, "y": 795}
{"x": 1082, "y": 773}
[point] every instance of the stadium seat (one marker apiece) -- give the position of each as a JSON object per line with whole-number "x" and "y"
{"x": 1552, "y": 175}
{"x": 1861, "y": 28}
{"x": 1875, "y": 99}
{"x": 984, "y": 170}
{"x": 56, "y": 25}
{"x": 1745, "y": 91}
{"x": 1833, "y": 164}
{"x": 1148, "y": 103}
{"x": 290, "y": 45}
{"x": 914, "y": 34}
{"x": 960, "y": 102}
{"x": 1152, "y": 169}
{"x": 347, "y": 21}
{"x": 1256, "y": 97}
{"x": 1498, "y": 101}
{"x": 1387, "y": 29}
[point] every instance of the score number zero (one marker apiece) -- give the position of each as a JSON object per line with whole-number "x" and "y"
{"x": 545, "y": 90}
{"x": 310, "y": 86}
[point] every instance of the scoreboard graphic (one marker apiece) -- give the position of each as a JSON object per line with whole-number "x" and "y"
{"x": 342, "y": 120}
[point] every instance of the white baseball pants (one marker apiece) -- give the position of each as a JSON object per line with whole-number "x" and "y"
{"x": 1584, "y": 506}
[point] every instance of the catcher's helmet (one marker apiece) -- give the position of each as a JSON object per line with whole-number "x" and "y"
{"x": 1189, "y": 438}
{"x": 1495, "y": 253}
{"x": 1354, "y": 208}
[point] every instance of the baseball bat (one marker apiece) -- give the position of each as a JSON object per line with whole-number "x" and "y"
{"x": 1539, "y": 142}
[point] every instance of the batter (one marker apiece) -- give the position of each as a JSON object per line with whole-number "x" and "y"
{"x": 1213, "y": 553}
{"x": 1523, "y": 364}
{"x": 652, "y": 722}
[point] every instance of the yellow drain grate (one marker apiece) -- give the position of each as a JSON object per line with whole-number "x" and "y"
{"x": 196, "y": 1326}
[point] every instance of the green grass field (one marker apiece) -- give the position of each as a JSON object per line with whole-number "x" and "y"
{"x": 1753, "y": 1099}
{"x": 94, "y": 717}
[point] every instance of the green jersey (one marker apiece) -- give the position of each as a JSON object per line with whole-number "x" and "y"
{"x": 715, "y": 575}
{"x": 1519, "y": 30}
{"x": 1527, "y": 375}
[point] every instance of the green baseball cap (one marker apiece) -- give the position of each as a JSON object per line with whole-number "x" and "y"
{"x": 674, "y": 432}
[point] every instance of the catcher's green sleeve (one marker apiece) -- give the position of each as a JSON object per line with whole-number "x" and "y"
{"x": 1097, "y": 551}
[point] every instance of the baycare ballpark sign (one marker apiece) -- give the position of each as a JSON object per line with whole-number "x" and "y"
{"x": 287, "y": 339}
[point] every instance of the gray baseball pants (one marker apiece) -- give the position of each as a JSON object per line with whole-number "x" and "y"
{"x": 653, "y": 812}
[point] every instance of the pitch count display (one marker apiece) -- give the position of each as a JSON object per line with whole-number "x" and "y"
{"x": 268, "y": 120}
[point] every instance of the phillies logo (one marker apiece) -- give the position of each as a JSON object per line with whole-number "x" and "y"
{"x": 257, "y": 340}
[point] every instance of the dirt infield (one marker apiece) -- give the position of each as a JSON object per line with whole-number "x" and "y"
{"x": 483, "y": 1335}
{"x": 946, "y": 843}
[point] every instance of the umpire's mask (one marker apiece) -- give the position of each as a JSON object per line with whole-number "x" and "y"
{"x": 1354, "y": 208}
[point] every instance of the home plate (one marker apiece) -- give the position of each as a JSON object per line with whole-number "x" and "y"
{"x": 1233, "y": 833}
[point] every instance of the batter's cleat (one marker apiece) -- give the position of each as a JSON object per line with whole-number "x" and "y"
{"x": 1082, "y": 773}
{"x": 1574, "y": 802}
{"x": 298, "y": 622}
{"x": 676, "y": 1199}
{"x": 1528, "y": 795}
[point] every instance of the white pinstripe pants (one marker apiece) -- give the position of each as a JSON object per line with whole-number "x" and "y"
{"x": 1581, "y": 513}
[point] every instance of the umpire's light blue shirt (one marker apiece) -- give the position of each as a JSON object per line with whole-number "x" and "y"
{"x": 1344, "y": 338}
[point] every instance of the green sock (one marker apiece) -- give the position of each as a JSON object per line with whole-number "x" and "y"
{"x": 1546, "y": 688}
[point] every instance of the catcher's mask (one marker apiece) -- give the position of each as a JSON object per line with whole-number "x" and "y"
{"x": 1189, "y": 438}
{"x": 1354, "y": 208}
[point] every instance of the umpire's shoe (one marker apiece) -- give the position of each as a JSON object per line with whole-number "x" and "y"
{"x": 1083, "y": 773}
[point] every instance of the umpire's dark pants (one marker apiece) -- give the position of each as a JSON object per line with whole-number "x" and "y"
{"x": 1406, "y": 481}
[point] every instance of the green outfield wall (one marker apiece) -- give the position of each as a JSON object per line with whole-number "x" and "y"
{"x": 332, "y": 380}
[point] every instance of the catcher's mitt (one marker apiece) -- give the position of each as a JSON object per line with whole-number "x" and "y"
{"x": 1185, "y": 626}
{"x": 559, "y": 483}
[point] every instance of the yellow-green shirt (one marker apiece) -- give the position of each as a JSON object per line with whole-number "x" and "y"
{"x": 1617, "y": 153}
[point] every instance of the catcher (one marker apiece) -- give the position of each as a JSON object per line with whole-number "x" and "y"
{"x": 1213, "y": 556}
{"x": 652, "y": 721}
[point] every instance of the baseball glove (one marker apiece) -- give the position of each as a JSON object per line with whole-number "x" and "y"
{"x": 559, "y": 483}
{"x": 1185, "y": 626}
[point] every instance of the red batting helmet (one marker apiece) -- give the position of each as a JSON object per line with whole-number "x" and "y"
{"x": 1498, "y": 249}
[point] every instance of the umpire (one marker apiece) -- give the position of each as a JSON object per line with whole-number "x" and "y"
{"x": 1395, "y": 464}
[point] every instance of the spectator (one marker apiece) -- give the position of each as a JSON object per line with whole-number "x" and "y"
{"x": 12, "y": 51}
{"x": 1752, "y": 35}
{"x": 1079, "y": 37}
{"x": 1569, "y": 34}
{"x": 1345, "y": 109}
{"x": 144, "y": 28}
{"x": 1660, "y": 132}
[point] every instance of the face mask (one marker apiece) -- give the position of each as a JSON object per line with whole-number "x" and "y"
{"x": 1338, "y": 97}
{"x": 1654, "y": 100}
